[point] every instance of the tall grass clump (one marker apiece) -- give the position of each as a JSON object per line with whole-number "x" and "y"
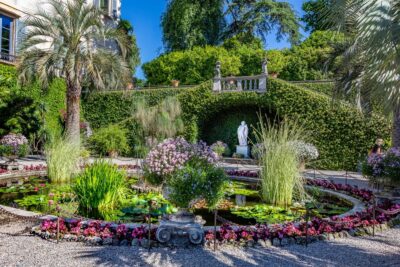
{"x": 279, "y": 163}
{"x": 99, "y": 190}
{"x": 62, "y": 159}
{"x": 161, "y": 121}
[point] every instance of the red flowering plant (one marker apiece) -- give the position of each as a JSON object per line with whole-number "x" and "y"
{"x": 121, "y": 231}
{"x": 140, "y": 233}
{"x": 209, "y": 235}
{"x": 245, "y": 234}
{"x": 226, "y": 234}
{"x": 51, "y": 226}
{"x": 290, "y": 230}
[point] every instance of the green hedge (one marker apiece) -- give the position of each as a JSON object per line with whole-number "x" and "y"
{"x": 42, "y": 102}
{"x": 320, "y": 87}
{"x": 341, "y": 134}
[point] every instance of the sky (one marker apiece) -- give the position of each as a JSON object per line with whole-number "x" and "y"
{"x": 145, "y": 16}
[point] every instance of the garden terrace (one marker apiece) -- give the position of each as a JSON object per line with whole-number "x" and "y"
{"x": 339, "y": 131}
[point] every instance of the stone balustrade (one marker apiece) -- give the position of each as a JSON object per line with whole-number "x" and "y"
{"x": 256, "y": 83}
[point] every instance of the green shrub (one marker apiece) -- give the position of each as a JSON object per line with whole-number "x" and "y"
{"x": 320, "y": 87}
{"x": 22, "y": 150}
{"x": 30, "y": 109}
{"x": 62, "y": 160}
{"x": 109, "y": 140}
{"x": 191, "y": 66}
{"x": 99, "y": 190}
{"x": 280, "y": 176}
{"x": 197, "y": 179}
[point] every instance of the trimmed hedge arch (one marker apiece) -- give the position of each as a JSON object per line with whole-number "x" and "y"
{"x": 342, "y": 135}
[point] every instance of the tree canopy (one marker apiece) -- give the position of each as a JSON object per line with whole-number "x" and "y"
{"x": 188, "y": 23}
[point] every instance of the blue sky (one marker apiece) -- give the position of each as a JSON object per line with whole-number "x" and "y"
{"x": 145, "y": 17}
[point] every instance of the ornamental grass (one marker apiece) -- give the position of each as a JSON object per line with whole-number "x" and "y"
{"x": 62, "y": 160}
{"x": 279, "y": 163}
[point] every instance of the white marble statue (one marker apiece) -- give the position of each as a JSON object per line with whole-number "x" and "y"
{"x": 243, "y": 132}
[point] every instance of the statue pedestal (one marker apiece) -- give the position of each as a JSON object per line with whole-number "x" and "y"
{"x": 243, "y": 150}
{"x": 180, "y": 230}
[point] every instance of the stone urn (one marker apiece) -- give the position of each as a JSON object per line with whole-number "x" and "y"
{"x": 181, "y": 229}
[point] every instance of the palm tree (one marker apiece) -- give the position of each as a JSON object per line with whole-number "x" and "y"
{"x": 372, "y": 59}
{"x": 73, "y": 42}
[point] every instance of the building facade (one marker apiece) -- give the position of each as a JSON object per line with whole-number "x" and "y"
{"x": 13, "y": 13}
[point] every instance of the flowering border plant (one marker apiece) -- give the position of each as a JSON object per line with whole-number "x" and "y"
{"x": 14, "y": 145}
{"x": 359, "y": 223}
{"x": 383, "y": 165}
{"x": 171, "y": 155}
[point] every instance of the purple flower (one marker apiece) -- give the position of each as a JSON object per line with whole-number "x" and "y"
{"x": 171, "y": 154}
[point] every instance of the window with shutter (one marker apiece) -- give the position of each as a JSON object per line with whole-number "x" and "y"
{"x": 7, "y": 44}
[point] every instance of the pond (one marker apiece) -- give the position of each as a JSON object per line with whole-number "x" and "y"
{"x": 242, "y": 204}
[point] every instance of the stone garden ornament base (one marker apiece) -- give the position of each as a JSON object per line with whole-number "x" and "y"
{"x": 181, "y": 229}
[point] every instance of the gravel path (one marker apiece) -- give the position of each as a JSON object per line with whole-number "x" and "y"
{"x": 26, "y": 250}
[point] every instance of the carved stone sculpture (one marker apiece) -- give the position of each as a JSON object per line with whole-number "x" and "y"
{"x": 181, "y": 229}
{"x": 243, "y": 132}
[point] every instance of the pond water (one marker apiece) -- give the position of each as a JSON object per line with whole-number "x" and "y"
{"x": 37, "y": 194}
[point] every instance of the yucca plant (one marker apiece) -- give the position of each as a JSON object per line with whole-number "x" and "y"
{"x": 99, "y": 189}
{"x": 62, "y": 159}
{"x": 280, "y": 176}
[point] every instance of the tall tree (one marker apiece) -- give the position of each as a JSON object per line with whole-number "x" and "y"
{"x": 72, "y": 41}
{"x": 133, "y": 55}
{"x": 261, "y": 17}
{"x": 188, "y": 23}
{"x": 315, "y": 17}
{"x": 373, "y": 56}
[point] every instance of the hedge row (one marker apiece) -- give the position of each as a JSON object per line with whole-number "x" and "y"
{"x": 342, "y": 134}
{"x": 321, "y": 87}
{"x": 43, "y": 102}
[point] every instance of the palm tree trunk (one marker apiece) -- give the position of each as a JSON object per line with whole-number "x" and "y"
{"x": 396, "y": 127}
{"x": 73, "y": 112}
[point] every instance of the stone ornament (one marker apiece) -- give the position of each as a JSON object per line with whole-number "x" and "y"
{"x": 243, "y": 132}
{"x": 180, "y": 229}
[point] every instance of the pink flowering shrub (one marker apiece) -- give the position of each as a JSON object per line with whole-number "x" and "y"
{"x": 171, "y": 154}
{"x": 14, "y": 144}
{"x": 384, "y": 165}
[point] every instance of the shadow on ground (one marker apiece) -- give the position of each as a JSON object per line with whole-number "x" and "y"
{"x": 316, "y": 254}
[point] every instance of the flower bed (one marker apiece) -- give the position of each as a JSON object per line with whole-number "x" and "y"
{"x": 277, "y": 234}
{"x": 364, "y": 194}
